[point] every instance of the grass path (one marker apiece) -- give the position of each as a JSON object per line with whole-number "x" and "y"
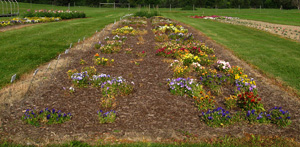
{"x": 275, "y": 56}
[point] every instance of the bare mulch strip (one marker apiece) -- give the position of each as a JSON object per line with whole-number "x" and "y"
{"x": 151, "y": 113}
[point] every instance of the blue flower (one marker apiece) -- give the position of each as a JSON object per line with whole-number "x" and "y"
{"x": 288, "y": 117}
{"x": 210, "y": 118}
{"x": 253, "y": 111}
{"x": 248, "y": 113}
{"x": 48, "y": 116}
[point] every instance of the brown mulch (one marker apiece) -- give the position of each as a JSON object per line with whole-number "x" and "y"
{"x": 150, "y": 113}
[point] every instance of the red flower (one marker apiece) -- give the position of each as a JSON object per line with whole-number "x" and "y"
{"x": 253, "y": 100}
{"x": 143, "y": 52}
{"x": 259, "y": 99}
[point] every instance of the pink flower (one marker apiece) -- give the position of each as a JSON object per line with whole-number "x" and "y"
{"x": 28, "y": 10}
{"x": 143, "y": 52}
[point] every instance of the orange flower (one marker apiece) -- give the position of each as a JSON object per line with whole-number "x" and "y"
{"x": 96, "y": 55}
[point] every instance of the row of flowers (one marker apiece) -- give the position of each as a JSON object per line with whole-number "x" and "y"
{"x": 286, "y": 32}
{"x": 54, "y": 13}
{"x": 26, "y": 20}
{"x": 192, "y": 57}
{"x": 110, "y": 87}
{"x": 135, "y": 22}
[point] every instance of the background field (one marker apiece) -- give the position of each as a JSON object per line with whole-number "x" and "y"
{"x": 24, "y": 49}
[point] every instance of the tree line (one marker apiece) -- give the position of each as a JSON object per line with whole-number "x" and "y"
{"x": 284, "y": 4}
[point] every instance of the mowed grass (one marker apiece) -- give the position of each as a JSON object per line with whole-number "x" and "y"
{"x": 286, "y": 17}
{"x": 277, "y": 57}
{"x": 23, "y": 50}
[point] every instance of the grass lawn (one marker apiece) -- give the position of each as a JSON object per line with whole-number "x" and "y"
{"x": 287, "y": 17}
{"x": 25, "y": 49}
{"x": 276, "y": 56}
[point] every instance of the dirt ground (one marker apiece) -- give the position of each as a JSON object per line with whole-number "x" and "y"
{"x": 150, "y": 113}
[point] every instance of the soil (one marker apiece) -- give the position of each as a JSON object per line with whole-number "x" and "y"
{"x": 150, "y": 113}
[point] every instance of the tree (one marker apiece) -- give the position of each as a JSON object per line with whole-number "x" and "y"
{"x": 296, "y": 3}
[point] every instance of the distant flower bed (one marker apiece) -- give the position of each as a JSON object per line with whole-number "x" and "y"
{"x": 213, "y": 17}
{"x": 26, "y": 20}
{"x": 54, "y": 13}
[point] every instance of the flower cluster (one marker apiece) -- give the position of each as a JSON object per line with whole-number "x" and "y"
{"x": 80, "y": 79}
{"x": 104, "y": 61}
{"x": 179, "y": 69}
{"x": 107, "y": 117}
{"x": 182, "y": 86}
{"x": 254, "y": 116}
{"x": 111, "y": 47}
{"x": 135, "y": 22}
{"x": 223, "y": 65}
{"x": 45, "y": 116}
{"x": 126, "y": 30}
{"x": 217, "y": 117}
{"x": 169, "y": 28}
{"x": 214, "y": 81}
{"x": 280, "y": 117}
{"x": 204, "y": 101}
{"x": 244, "y": 84}
{"x": 249, "y": 101}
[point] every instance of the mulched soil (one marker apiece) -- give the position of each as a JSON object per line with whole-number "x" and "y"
{"x": 150, "y": 113}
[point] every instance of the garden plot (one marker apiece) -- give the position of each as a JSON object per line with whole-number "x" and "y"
{"x": 151, "y": 82}
{"x": 288, "y": 31}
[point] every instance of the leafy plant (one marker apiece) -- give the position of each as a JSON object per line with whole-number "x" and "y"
{"x": 107, "y": 102}
{"x": 256, "y": 117}
{"x": 217, "y": 117}
{"x": 204, "y": 101}
{"x": 223, "y": 66}
{"x": 249, "y": 101}
{"x": 107, "y": 117}
{"x": 182, "y": 86}
{"x": 231, "y": 101}
{"x": 46, "y": 116}
{"x": 104, "y": 61}
{"x": 278, "y": 116}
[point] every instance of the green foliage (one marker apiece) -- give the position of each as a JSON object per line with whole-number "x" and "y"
{"x": 147, "y": 14}
{"x": 46, "y": 116}
{"x": 62, "y": 14}
{"x": 188, "y": 8}
{"x": 107, "y": 117}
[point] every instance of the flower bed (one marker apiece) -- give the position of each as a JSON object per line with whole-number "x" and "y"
{"x": 54, "y": 13}
{"x": 194, "y": 58}
{"x": 28, "y": 20}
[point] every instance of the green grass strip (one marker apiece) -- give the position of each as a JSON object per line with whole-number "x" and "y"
{"x": 23, "y": 50}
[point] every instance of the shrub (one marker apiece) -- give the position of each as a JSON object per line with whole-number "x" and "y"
{"x": 188, "y": 8}
{"x": 147, "y": 14}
